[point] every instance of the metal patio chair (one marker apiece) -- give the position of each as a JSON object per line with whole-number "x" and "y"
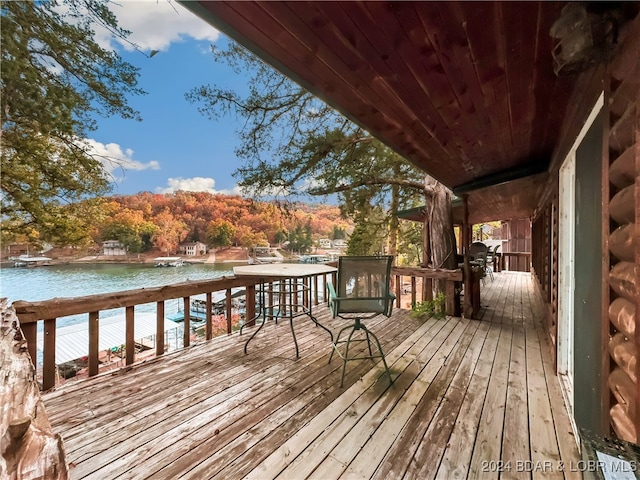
{"x": 478, "y": 255}
{"x": 363, "y": 292}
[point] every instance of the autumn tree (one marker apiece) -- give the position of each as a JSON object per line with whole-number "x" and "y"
{"x": 55, "y": 80}
{"x": 220, "y": 233}
{"x": 292, "y": 144}
{"x": 248, "y": 238}
{"x": 130, "y": 228}
{"x": 170, "y": 232}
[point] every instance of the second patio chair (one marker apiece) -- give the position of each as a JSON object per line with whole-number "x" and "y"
{"x": 363, "y": 292}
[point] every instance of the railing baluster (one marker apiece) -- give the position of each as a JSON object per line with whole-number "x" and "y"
{"x": 186, "y": 337}
{"x": 413, "y": 289}
{"x": 208, "y": 315}
{"x": 94, "y": 327}
{"x": 228, "y": 310}
{"x": 160, "y": 328}
{"x": 30, "y": 331}
{"x": 250, "y": 313}
{"x": 398, "y": 291}
{"x": 427, "y": 289}
{"x": 130, "y": 347}
{"x": 49, "y": 355}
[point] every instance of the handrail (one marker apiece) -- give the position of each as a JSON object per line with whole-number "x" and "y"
{"x": 48, "y": 311}
{"x": 428, "y": 275}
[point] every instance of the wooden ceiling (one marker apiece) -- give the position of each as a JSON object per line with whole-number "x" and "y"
{"x": 464, "y": 90}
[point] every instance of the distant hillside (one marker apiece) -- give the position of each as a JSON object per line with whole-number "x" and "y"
{"x": 204, "y": 217}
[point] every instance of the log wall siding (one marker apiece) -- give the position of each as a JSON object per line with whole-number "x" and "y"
{"x": 622, "y": 186}
{"x": 621, "y": 242}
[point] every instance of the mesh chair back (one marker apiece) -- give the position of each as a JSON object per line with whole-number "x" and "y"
{"x": 363, "y": 284}
{"x": 478, "y": 251}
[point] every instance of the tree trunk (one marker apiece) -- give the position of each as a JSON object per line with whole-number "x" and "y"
{"x": 30, "y": 449}
{"x": 441, "y": 235}
{"x": 394, "y": 223}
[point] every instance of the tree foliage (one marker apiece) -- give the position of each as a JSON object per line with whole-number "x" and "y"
{"x": 220, "y": 233}
{"x": 55, "y": 80}
{"x": 293, "y": 144}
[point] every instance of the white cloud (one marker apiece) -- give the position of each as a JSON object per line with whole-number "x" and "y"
{"x": 113, "y": 158}
{"x": 196, "y": 184}
{"x": 155, "y": 24}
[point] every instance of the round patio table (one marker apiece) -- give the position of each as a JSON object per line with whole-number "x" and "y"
{"x": 288, "y": 293}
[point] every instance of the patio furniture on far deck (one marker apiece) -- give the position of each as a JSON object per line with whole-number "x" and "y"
{"x": 478, "y": 252}
{"x": 363, "y": 292}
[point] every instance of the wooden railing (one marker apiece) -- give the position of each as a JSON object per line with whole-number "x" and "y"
{"x": 49, "y": 311}
{"x": 452, "y": 280}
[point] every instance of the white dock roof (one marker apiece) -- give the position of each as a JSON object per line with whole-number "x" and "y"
{"x": 72, "y": 342}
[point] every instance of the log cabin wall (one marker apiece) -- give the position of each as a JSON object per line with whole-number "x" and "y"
{"x": 544, "y": 266}
{"x": 622, "y": 190}
{"x": 614, "y": 376}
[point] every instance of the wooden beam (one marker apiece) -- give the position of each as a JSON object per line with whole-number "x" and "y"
{"x": 504, "y": 176}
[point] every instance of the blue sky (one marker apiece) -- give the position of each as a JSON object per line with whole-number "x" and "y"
{"x": 174, "y": 147}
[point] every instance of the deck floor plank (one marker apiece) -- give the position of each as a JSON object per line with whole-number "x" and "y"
{"x": 430, "y": 450}
{"x": 380, "y": 425}
{"x": 311, "y": 445}
{"x": 465, "y": 393}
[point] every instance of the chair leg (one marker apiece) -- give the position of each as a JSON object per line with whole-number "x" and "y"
{"x": 384, "y": 360}
{"x": 345, "y": 358}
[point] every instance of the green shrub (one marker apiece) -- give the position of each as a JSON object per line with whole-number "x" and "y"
{"x": 430, "y": 308}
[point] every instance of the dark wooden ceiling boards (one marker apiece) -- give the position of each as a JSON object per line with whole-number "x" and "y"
{"x": 463, "y": 90}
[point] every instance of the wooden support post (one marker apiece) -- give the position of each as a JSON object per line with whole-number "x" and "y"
{"x": 467, "y": 309}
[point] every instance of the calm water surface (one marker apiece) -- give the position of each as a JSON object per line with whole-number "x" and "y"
{"x": 75, "y": 280}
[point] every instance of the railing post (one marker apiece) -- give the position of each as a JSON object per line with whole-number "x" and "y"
{"x": 186, "y": 335}
{"x": 94, "y": 328}
{"x": 427, "y": 288}
{"x": 316, "y": 290}
{"x": 30, "y": 331}
{"x": 228, "y": 310}
{"x": 451, "y": 301}
{"x": 398, "y": 291}
{"x": 250, "y": 303}
{"x": 413, "y": 289}
{"x": 208, "y": 316}
{"x": 130, "y": 347}
{"x": 49, "y": 355}
{"x": 160, "y": 328}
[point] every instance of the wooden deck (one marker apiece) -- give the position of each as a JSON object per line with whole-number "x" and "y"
{"x": 471, "y": 399}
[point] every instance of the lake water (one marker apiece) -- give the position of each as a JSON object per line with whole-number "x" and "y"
{"x": 75, "y": 280}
